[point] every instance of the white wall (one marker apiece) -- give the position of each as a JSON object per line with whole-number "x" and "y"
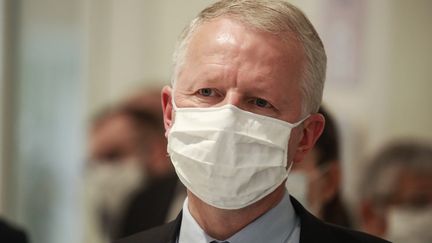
{"x": 409, "y": 109}
{"x": 47, "y": 137}
{"x": 131, "y": 42}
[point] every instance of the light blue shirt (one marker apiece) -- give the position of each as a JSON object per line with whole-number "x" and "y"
{"x": 279, "y": 225}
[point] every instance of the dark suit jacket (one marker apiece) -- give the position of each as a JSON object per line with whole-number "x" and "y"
{"x": 312, "y": 230}
{"x": 11, "y": 234}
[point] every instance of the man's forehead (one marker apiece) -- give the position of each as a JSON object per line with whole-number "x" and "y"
{"x": 228, "y": 24}
{"x": 229, "y": 36}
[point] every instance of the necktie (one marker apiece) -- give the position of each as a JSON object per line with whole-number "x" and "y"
{"x": 219, "y": 241}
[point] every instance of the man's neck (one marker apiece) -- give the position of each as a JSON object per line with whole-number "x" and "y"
{"x": 221, "y": 223}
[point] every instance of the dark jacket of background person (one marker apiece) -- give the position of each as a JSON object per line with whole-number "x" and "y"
{"x": 149, "y": 207}
{"x": 11, "y": 234}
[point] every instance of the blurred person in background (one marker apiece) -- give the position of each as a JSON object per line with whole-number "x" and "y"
{"x": 396, "y": 193}
{"x": 12, "y": 234}
{"x": 316, "y": 181}
{"x": 130, "y": 184}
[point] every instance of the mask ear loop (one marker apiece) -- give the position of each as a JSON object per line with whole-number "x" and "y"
{"x": 300, "y": 122}
{"x": 290, "y": 167}
{"x": 288, "y": 172}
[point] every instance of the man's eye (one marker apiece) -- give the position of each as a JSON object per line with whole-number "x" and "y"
{"x": 206, "y": 92}
{"x": 262, "y": 103}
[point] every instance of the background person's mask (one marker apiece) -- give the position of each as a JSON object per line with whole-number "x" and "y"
{"x": 108, "y": 188}
{"x": 411, "y": 225}
{"x": 298, "y": 184}
{"x": 227, "y": 157}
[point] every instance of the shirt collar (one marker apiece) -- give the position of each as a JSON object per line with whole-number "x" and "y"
{"x": 276, "y": 225}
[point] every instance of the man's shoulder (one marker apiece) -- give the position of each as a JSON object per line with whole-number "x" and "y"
{"x": 161, "y": 234}
{"x": 157, "y": 234}
{"x": 314, "y": 230}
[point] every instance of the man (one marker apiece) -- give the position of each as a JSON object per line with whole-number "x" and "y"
{"x": 316, "y": 181}
{"x": 247, "y": 85}
{"x": 396, "y": 193}
{"x": 131, "y": 184}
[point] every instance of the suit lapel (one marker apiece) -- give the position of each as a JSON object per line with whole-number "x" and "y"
{"x": 174, "y": 229}
{"x": 166, "y": 233}
{"x": 311, "y": 229}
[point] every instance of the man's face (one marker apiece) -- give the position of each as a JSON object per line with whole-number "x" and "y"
{"x": 228, "y": 63}
{"x": 414, "y": 189}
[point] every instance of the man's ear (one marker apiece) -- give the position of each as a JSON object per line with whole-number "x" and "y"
{"x": 311, "y": 131}
{"x": 166, "y": 98}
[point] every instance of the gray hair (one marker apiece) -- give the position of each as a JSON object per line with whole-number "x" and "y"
{"x": 273, "y": 16}
{"x": 379, "y": 181}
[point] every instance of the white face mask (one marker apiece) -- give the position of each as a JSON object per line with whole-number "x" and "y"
{"x": 227, "y": 157}
{"x": 411, "y": 225}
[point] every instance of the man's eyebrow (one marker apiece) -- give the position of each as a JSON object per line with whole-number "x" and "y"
{"x": 206, "y": 77}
